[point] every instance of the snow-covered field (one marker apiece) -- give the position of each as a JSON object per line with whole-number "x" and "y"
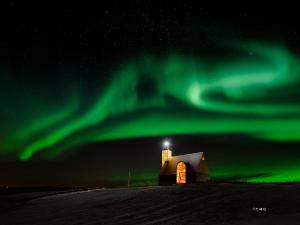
{"x": 240, "y": 204}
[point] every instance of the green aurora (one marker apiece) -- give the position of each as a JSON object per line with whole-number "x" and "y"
{"x": 253, "y": 90}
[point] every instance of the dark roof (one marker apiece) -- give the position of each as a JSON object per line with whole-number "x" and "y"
{"x": 193, "y": 160}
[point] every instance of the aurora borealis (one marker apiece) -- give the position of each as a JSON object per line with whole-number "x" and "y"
{"x": 247, "y": 87}
{"x": 151, "y": 96}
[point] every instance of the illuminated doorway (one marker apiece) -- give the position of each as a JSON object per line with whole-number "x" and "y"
{"x": 181, "y": 173}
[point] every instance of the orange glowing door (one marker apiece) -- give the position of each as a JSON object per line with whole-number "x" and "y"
{"x": 181, "y": 173}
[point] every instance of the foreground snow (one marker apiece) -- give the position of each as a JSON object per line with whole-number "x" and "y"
{"x": 241, "y": 204}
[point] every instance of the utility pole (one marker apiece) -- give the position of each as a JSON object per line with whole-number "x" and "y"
{"x": 128, "y": 179}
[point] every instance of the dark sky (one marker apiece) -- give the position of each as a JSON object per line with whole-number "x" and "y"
{"x": 59, "y": 64}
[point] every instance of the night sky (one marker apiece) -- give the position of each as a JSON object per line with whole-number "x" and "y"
{"x": 88, "y": 94}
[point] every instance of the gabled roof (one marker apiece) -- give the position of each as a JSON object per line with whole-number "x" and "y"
{"x": 193, "y": 160}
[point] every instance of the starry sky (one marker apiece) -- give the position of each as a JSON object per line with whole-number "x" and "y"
{"x": 88, "y": 94}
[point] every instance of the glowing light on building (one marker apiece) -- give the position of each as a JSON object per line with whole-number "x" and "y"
{"x": 166, "y": 144}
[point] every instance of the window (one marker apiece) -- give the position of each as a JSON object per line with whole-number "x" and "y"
{"x": 181, "y": 173}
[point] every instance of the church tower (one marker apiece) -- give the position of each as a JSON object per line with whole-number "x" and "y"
{"x": 166, "y": 153}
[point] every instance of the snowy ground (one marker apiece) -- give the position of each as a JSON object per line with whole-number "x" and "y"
{"x": 241, "y": 204}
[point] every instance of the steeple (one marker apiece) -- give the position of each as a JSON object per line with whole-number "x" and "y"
{"x": 166, "y": 153}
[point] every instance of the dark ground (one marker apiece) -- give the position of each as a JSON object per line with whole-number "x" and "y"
{"x": 196, "y": 204}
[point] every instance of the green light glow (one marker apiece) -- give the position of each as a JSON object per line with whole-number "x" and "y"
{"x": 253, "y": 94}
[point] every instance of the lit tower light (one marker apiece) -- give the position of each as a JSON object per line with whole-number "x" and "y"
{"x": 166, "y": 152}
